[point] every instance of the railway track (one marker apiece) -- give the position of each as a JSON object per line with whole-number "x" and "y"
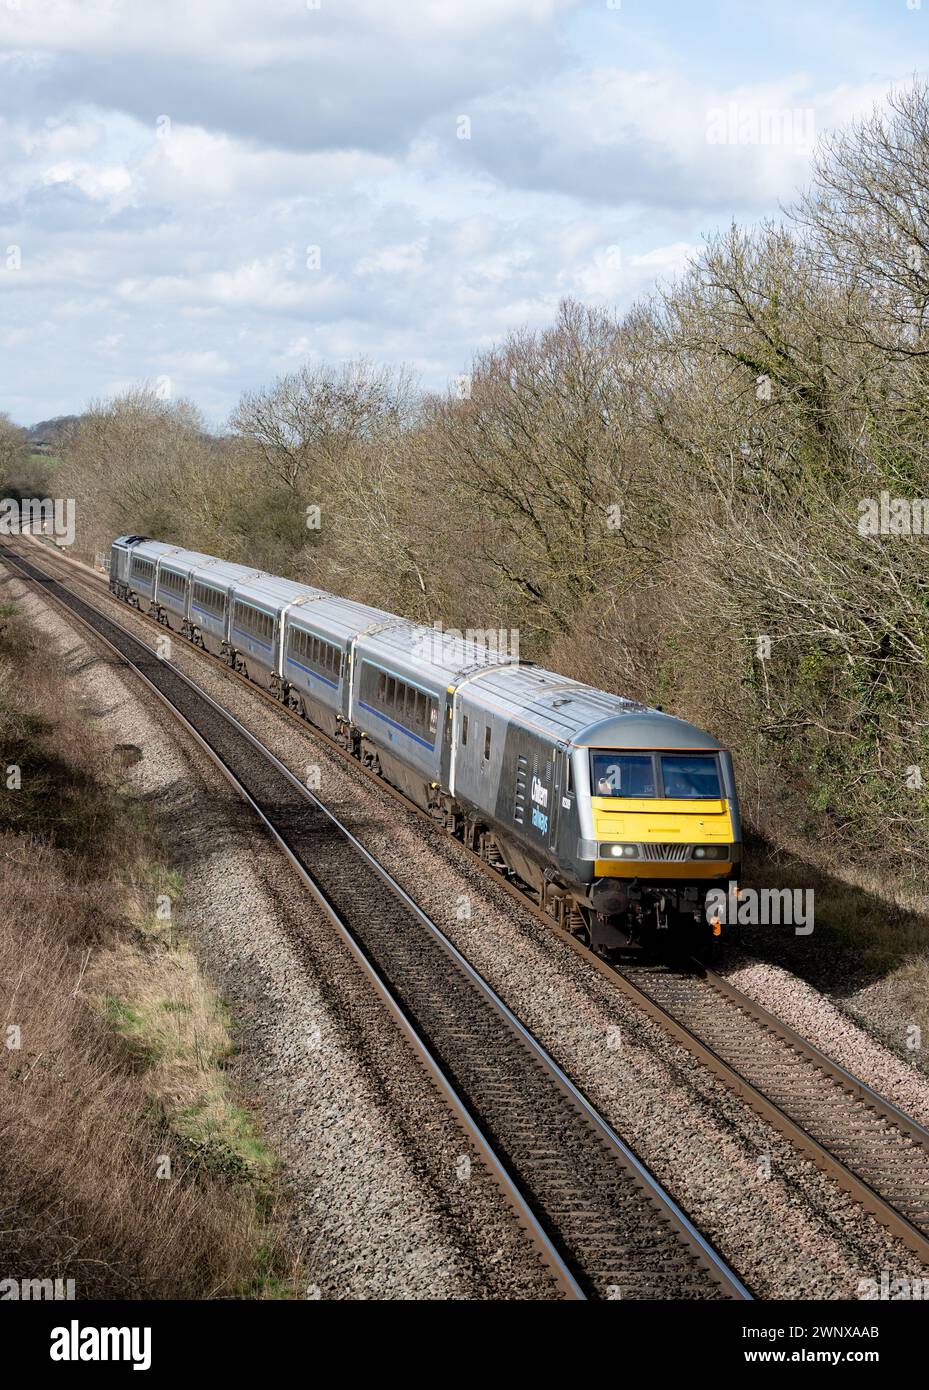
{"x": 600, "y": 1221}
{"x": 875, "y": 1152}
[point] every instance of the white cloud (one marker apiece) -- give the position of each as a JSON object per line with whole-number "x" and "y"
{"x": 102, "y": 182}
{"x": 166, "y": 168}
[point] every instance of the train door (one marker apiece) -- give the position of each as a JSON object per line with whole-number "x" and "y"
{"x": 566, "y": 793}
{"x": 557, "y": 771}
{"x": 448, "y": 734}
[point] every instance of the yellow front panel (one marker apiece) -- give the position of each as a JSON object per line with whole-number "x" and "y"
{"x": 690, "y": 870}
{"x": 665, "y": 821}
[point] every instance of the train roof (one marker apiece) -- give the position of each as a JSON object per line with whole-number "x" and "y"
{"x": 276, "y": 593}
{"x": 227, "y": 573}
{"x": 444, "y": 656}
{"x": 342, "y": 618}
{"x": 651, "y": 728}
{"x": 572, "y": 713}
{"x": 186, "y": 559}
{"x": 152, "y": 550}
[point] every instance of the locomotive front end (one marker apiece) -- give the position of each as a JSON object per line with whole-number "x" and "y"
{"x": 662, "y": 830}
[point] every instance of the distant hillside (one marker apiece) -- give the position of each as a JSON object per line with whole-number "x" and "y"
{"x": 43, "y": 435}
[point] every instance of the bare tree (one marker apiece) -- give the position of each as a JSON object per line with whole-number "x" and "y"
{"x": 14, "y": 453}
{"x": 139, "y": 463}
{"x": 304, "y": 425}
{"x": 540, "y": 454}
{"x": 868, "y": 211}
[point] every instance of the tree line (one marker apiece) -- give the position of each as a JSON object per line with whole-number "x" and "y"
{"x": 666, "y": 503}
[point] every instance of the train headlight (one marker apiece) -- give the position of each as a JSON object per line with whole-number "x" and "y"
{"x": 619, "y": 851}
{"x": 711, "y": 851}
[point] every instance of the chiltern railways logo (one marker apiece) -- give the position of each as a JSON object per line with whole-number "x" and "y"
{"x": 539, "y": 793}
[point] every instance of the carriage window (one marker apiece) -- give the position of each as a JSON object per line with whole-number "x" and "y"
{"x": 323, "y": 657}
{"x": 209, "y": 598}
{"x": 464, "y": 730}
{"x": 487, "y": 741}
{"x": 416, "y": 710}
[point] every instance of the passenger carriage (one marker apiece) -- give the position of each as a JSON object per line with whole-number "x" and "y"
{"x": 401, "y": 703}
{"x": 172, "y": 596}
{"x": 259, "y": 609}
{"x": 317, "y": 660}
{"x": 134, "y": 570}
{"x": 212, "y": 589}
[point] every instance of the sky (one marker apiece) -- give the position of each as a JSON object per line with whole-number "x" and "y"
{"x": 203, "y": 194}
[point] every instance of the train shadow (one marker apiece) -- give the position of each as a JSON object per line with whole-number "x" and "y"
{"x": 854, "y": 937}
{"x": 851, "y": 940}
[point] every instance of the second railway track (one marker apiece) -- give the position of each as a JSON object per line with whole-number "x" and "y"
{"x": 878, "y": 1154}
{"x": 599, "y": 1218}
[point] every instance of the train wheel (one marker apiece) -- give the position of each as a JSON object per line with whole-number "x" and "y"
{"x": 578, "y": 924}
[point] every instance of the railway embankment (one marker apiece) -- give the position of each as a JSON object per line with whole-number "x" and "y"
{"x": 129, "y": 1162}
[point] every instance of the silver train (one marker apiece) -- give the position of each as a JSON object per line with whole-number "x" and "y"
{"x": 618, "y": 818}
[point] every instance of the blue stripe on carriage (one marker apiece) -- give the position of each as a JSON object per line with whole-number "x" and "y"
{"x": 415, "y": 737}
{"x": 292, "y": 661}
{"x": 267, "y": 645}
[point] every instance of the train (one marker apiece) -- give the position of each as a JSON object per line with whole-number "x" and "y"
{"x": 618, "y": 819}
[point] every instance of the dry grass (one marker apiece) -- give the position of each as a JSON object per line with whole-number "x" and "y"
{"x": 113, "y": 1048}
{"x": 865, "y": 931}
